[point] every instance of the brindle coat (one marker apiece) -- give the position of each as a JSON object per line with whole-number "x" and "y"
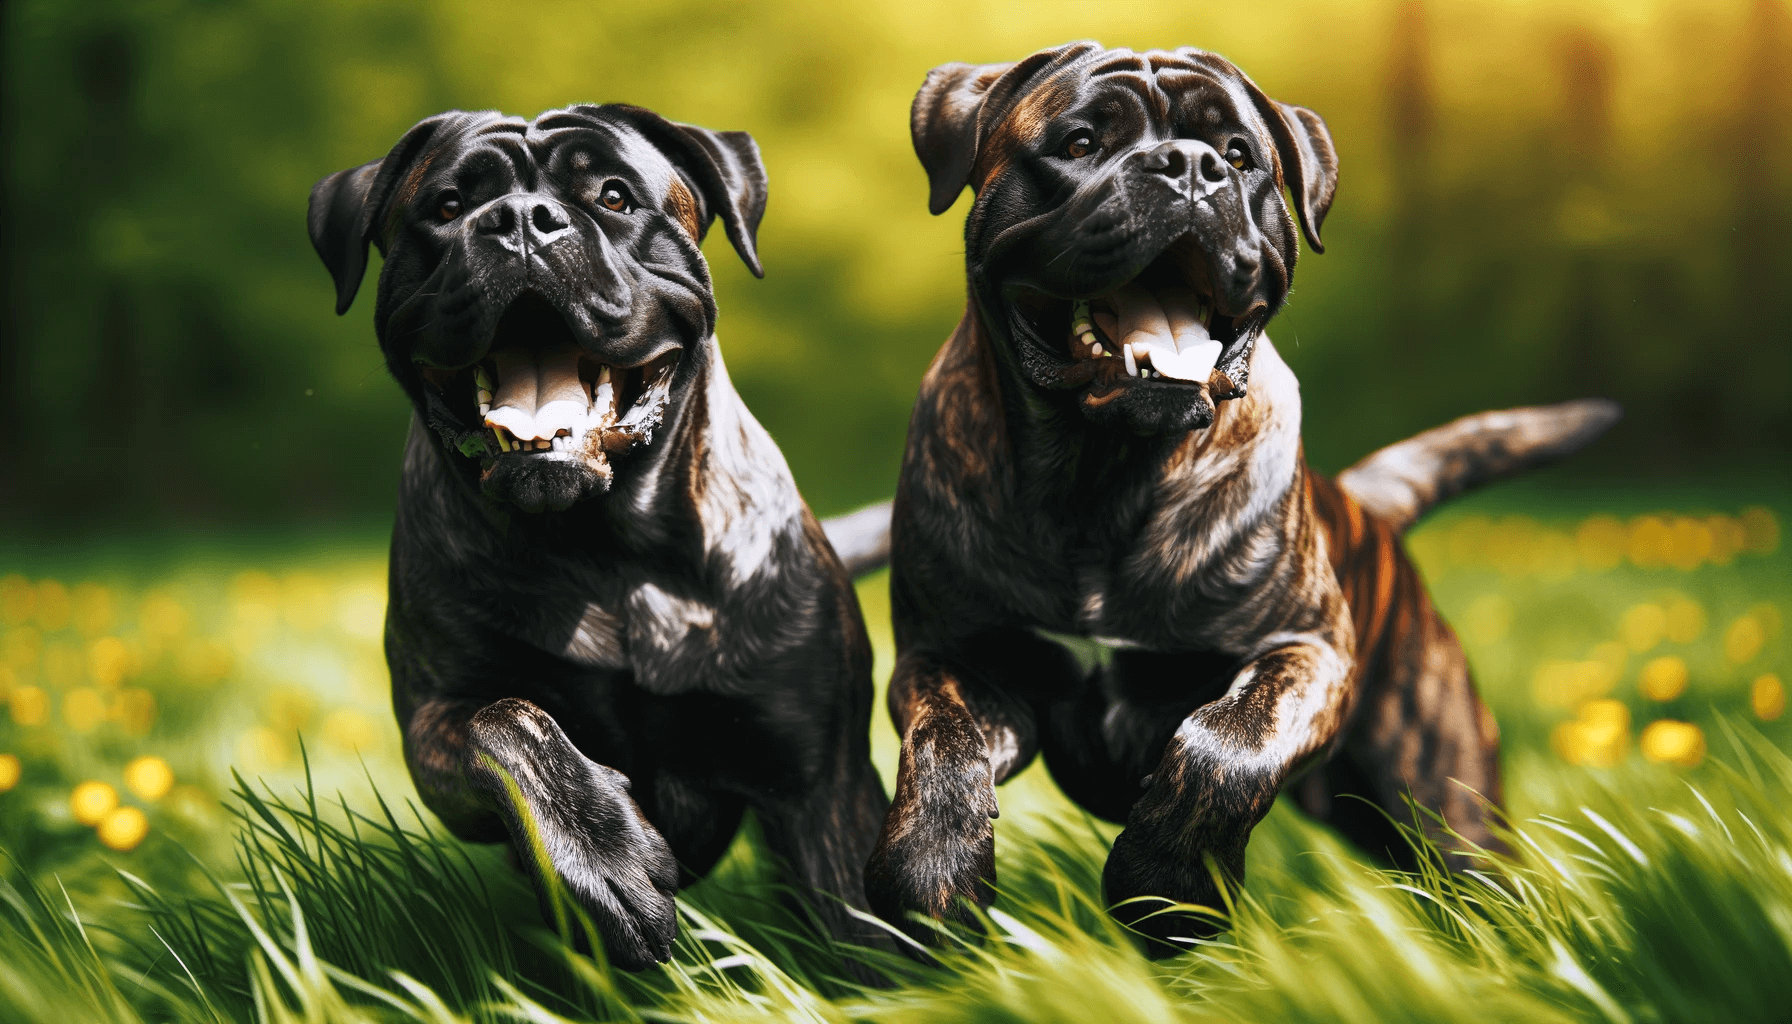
{"x": 618, "y": 666}
{"x": 1263, "y": 620}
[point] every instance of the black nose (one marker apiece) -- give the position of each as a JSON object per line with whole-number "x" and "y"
{"x": 1181, "y": 160}
{"x": 522, "y": 222}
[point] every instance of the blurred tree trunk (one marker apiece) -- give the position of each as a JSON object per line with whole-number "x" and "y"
{"x": 1411, "y": 121}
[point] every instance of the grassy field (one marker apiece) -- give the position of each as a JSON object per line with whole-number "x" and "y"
{"x": 203, "y": 816}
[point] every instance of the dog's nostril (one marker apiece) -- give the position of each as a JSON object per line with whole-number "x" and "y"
{"x": 498, "y": 221}
{"x": 1175, "y": 164}
{"x": 1211, "y": 168}
{"x": 545, "y": 220}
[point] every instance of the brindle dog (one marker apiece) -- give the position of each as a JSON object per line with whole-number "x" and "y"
{"x": 613, "y": 623}
{"x": 1108, "y": 448}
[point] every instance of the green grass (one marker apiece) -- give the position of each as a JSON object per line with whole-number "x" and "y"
{"x": 282, "y": 882}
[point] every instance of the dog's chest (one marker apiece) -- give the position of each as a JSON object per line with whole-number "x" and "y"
{"x": 665, "y": 639}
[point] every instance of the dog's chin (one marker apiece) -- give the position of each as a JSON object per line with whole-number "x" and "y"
{"x": 1147, "y": 409}
{"x": 537, "y": 483}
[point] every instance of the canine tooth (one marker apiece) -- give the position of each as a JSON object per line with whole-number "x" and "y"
{"x": 483, "y": 382}
{"x": 1132, "y": 366}
{"x": 499, "y": 432}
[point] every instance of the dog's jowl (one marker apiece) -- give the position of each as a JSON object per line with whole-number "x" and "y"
{"x": 1106, "y": 455}
{"x": 613, "y": 623}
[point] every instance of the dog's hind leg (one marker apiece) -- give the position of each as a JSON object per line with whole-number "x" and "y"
{"x": 506, "y": 769}
{"x": 824, "y": 835}
{"x": 1419, "y": 731}
{"x": 962, "y": 735}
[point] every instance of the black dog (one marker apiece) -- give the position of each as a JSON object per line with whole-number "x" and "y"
{"x": 1086, "y": 461}
{"x": 613, "y": 624}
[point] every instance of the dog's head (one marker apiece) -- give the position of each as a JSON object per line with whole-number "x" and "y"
{"x": 544, "y": 302}
{"x": 1129, "y": 239}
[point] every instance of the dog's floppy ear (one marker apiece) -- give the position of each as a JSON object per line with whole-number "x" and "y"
{"x": 347, "y": 207}
{"x": 956, "y": 107}
{"x": 725, "y": 167}
{"x": 1309, "y": 160}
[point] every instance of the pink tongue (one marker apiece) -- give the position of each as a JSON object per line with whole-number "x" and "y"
{"x": 539, "y": 393}
{"x": 1162, "y": 330}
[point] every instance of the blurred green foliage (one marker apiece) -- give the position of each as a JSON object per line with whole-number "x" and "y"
{"x": 1539, "y": 200}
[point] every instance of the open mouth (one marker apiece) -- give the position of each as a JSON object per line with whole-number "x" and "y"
{"x": 1163, "y": 325}
{"x": 539, "y": 394}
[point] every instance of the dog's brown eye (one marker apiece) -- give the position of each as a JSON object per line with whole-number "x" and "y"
{"x": 614, "y": 197}
{"x": 449, "y": 209}
{"x": 1237, "y": 157}
{"x": 1079, "y": 146}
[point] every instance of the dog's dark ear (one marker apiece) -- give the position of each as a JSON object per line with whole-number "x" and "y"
{"x": 1309, "y": 160}
{"x": 349, "y": 209}
{"x": 724, "y": 166}
{"x": 338, "y": 229}
{"x": 943, "y": 124}
{"x": 956, "y": 107}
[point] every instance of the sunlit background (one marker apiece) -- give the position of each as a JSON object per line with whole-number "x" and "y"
{"x": 1539, "y": 200}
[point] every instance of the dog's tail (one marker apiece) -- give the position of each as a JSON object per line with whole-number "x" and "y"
{"x": 862, "y": 538}
{"x": 1405, "y": 480}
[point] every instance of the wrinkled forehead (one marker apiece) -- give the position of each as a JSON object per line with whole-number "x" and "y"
{"x": 1161, "y": 91}
{"x": 517, "y": 150}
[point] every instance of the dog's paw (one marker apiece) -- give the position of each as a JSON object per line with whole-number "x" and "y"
{"x": 618, "y": 868}
{"x": 574, "y": 818}
{"x": 938, "y": 844}
{"x": 1147, "y": 875}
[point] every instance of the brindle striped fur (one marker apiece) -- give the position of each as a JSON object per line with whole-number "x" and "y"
{"x": 1264, "y": 625}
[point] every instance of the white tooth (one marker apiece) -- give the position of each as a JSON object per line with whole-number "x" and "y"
{"x": 1095, "y": 349}
{"x": 603, "y": 400}
{"x": 1132, "y": 367}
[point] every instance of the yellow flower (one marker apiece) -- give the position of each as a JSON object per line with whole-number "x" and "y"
{"x": 1649, "y": 540}
{"x": 92, "y": 801}
{"x": 30, "y": 706}
{"x": 123, "y": 828}
{"x": 1768, "y": 697}
{"x": 1643, "y": 626}
{"x": 108, "y": 661}
{"x": 1671, "y": 742}
{"x": 135, "y": 709}
{"x": 262, "y": 748}
{"x": 350, "y": 730}
{"x": 1686, "y": 620}
{"x": 83, "y": 709}
{"x": 93, "y": 609}
{"x": 17, "y": 599}
{"x": 10, "y": 770}
{"x": 1597, "y": 738}
{"x": 1743, "y": 640}
{"x": 53, "y": 610}
{"x": 1663, "y": 678}
{"x": 1601, "y": 541}
{"x": 149, "y": 777}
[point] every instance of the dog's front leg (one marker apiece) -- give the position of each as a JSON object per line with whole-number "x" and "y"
{"x": 511, "y": 759}
{"x": 1217, "y": 778}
